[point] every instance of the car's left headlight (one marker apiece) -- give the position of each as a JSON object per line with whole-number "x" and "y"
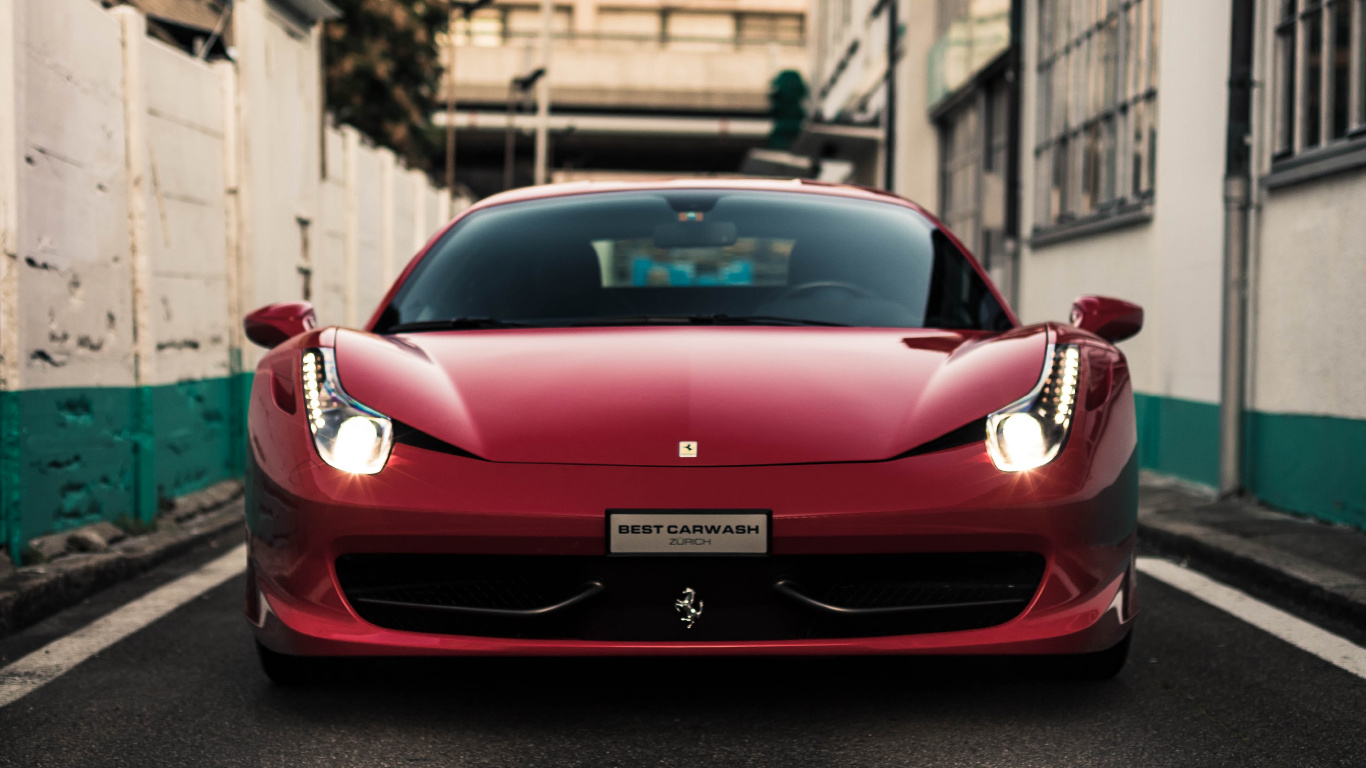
{"x": 348, "y": 435}
{"x": 1030, "y": 432}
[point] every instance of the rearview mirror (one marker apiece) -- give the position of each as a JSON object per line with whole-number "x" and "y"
{"x": 695, "y": 234}
{"x": 1111, "y": 319}
{"x": 273, "y": 324}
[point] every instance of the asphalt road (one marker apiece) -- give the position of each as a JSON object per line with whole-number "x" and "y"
{"x": 1202, "y": 688}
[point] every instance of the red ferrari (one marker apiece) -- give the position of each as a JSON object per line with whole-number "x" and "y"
{"x": 741, "y": 417}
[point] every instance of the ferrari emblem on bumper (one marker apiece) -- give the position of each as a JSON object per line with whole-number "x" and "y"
{"x": 689, "y": 606}
{"x": 687, "y": 450}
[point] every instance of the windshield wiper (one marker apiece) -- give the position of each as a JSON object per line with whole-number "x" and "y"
{"x": 713, "y": 319}
{"x": 457, "y": 323}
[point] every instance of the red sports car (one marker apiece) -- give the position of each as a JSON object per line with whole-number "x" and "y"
{"x": 692, "y": 418}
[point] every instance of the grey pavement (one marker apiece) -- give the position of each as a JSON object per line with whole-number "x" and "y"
{"x": 1315, "y": 569}
{"x": 1202, "y": 688}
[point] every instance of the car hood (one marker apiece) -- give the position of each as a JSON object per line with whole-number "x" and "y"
{"x": 744, "y": 395}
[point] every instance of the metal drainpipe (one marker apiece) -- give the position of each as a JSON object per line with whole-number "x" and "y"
{"x": 1237, "y": 204}
{"x": 889, "y": 109}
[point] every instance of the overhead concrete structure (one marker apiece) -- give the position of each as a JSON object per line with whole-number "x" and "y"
{"x": 635, "y": 85}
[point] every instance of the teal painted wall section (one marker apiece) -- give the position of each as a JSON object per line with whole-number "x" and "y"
{"x": 194, "y": 436}
{"x": 1179, "y": 438}
{"x": 1315, "y": 465}
{"x": 75, "y": 456}
{"x": 77, "y": 459}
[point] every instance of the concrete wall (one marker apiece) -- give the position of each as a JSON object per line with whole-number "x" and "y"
{"x": 68, "y": 313}
{"x": 1172, "y": 265}
{"x": 147, "y": 200}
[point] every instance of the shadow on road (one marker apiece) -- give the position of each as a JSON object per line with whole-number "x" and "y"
{"x": 615, "y": 693}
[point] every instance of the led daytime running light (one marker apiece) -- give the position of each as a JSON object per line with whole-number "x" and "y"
{"x": 346, "y": 434}
{"x": 1032, "y": 431}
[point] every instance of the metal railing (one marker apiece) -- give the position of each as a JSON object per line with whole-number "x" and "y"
{"x": 733, "y": 42}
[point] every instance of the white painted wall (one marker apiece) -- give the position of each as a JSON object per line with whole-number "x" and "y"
{"x": 281, "y": 133}
{"x": 369, "y": 230}
{"x": 917, "y": 150}
{"x": 140, "y": 187}
{"x": 329, "y": 262}
{"x": 72, "y": 306}
{"x": 186, "y": 237}
{"x": 1308, "y": 351}
{"x": 1173, "y": 265}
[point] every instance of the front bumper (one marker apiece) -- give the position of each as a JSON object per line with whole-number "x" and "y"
{"x": 1077, "y": 515}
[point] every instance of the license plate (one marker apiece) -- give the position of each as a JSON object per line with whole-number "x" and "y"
{"x": 688, "y": 532}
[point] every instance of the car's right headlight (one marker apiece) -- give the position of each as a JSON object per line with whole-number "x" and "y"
{"x": 348, "y": 435}
{"x": 1030, "y": 432}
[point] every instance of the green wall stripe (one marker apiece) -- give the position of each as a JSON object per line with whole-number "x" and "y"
{"x": 1179, "y": 437}
{"x": 73, "y": 456}
{"x": 1311, "y": 465}
{"x": 1315, "y": 465}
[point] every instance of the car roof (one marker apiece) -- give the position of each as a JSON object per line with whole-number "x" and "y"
{"x": 809, "y": 186}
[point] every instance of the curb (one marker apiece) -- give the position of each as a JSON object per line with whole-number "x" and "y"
{"x": 1321, "y": 588}
{"x": 35, "y": 592}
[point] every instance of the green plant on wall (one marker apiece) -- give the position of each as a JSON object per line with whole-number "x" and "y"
{"x": 383, "y": 72}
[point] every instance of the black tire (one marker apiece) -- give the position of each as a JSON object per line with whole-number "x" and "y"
{"x": 1102, "y": 665}
{"x": 289, "y": 671}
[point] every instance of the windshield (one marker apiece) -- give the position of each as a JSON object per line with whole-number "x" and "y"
{"x": 660, "y": 257}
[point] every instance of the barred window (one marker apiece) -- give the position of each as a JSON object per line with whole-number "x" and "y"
{"x": 1320, "y": 78}
{"x": 1097, "y": 96}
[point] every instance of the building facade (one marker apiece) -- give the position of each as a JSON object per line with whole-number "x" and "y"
{"x": 954, "y": 135}
{"x": 1113, "y": 179}
{"x": 1128, "y": 179}
{"x": 636, "y": 86}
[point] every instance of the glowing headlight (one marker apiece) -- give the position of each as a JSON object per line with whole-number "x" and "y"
{"x": 348, "y": 435}
{"x": 1030, "y": 432}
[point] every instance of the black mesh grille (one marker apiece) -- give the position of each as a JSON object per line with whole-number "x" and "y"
{"x": 739, "y": 594}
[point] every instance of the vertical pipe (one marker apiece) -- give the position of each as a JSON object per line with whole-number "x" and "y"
{"x": 1014, "y": 152}
{"x": 1237, "y": 192}
{"x": 237, "y": 387}
{"x": 11, "y": 110}
{"x": 509, "y": 142}
{"x": 450, "y": 102}
{"x": 889, "y": 109}
{"x": 388, "y": 168}
{"x": 543, "y": 97}
{"x": 138, "y": 165}
{"x": 351, "y": 195}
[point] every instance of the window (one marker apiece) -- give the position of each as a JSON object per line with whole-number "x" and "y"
{"x": 1097, "y": 121}
{"x": 1320, "y": 76}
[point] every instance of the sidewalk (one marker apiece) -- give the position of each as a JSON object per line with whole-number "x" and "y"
{"x": 1317, "y": 565}
{"x": 81, "y": 567}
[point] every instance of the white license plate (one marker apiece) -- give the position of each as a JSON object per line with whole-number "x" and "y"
{"x": 687, "y": 533}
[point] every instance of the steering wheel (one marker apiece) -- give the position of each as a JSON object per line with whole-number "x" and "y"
{"x": 817, "y": 285}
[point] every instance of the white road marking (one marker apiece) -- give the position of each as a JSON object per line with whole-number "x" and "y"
{"x": 55, "y": 659}
{"x": 1299, "y": 633}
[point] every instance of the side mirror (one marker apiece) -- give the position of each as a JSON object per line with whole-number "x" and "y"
{"x": 272, "y": 325}
{"x": 1111, "y": 319}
